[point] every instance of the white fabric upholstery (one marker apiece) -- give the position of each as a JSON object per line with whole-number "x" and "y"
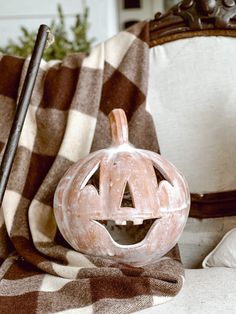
{"x": 206, "y": 291}
{"x": 192, "y": 98}
{"x": 224, "y": 254}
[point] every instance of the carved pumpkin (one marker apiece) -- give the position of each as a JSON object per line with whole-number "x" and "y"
{"x": 103, "y": 221}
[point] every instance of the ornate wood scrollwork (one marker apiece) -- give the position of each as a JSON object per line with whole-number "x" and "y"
{"x": 195, "y": 16}
{"x": 200, "y": 14}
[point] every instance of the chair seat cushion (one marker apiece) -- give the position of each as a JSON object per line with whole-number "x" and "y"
{"x": 205, "y": 291}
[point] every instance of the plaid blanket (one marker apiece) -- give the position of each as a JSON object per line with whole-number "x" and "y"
{"x": 67, "y": 118}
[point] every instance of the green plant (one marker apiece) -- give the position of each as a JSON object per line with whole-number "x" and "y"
{"x": 62, "y": 44}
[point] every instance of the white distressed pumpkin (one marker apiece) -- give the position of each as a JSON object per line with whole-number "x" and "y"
{"x": 90, "y": 218}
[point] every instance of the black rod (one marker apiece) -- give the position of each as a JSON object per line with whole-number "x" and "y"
{"x": 22, "y": 107}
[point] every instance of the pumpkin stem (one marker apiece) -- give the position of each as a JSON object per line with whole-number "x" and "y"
{"x": 119, "y": 127}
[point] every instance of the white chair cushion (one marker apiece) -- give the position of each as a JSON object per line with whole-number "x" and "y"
{"x": 192, "y": 97}
{"x": 205, "y": 291}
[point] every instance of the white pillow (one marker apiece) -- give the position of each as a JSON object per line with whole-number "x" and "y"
{"x": 224, "y": 254}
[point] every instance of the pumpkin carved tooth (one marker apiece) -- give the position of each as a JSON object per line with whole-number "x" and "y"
{"x": 121, "y": 202}
{"x": 120, "y": 222}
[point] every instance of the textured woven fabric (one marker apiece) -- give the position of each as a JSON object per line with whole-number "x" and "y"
{"x": 67, "y": 117}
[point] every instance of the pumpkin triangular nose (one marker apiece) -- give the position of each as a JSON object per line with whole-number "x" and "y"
{"x": 127, "y": 200}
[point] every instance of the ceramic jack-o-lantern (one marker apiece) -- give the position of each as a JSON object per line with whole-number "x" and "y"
{"x": 121, "y": 202}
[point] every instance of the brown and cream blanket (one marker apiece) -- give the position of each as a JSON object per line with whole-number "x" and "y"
{"x": 67, "y": 117}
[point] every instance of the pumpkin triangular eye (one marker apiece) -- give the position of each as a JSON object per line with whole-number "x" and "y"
{"x": 94, "y": 179}
{"x": 127, "y": 197}
{"x": 159, "y": 176}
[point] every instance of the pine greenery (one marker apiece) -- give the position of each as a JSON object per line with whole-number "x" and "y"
{"x": 62, "y": 45}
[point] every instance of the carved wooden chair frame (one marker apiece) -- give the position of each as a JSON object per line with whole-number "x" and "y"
{"x": 190, "y": 18}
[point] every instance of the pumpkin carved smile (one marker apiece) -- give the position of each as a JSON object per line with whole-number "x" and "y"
{"x": 121, "y": 202}
{"x": 122, "y": 223}
{"x": 127, "y": 232}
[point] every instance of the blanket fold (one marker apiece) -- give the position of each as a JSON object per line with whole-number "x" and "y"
{"x": 67, "y": 118}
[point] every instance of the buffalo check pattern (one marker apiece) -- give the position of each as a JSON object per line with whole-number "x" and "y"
{"x": 67, "y": 118}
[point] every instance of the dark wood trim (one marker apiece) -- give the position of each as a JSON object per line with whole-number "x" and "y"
{"x": 213, "y": 205}
{"x": 160, "y": 40}
{"x": 191, "y": 18}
